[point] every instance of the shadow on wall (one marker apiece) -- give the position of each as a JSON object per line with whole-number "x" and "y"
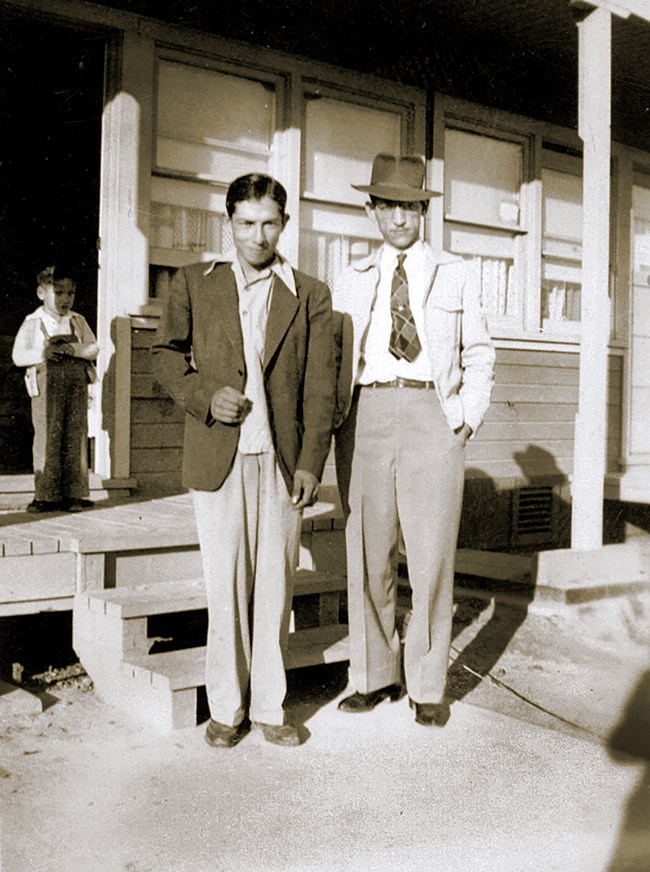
{"x": 530, "y": 514}
{"x": 629, "y": 744}
{"x": 493, "y": 520}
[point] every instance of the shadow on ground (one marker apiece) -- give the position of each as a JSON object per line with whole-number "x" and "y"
{"x": 628, "y": 744}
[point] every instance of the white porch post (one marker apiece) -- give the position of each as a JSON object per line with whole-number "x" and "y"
{"x": 123, "y": 274}
{"x": 594, "y": 43}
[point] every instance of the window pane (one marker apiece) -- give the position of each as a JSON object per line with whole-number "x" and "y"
{"x": 561, "y": 296}
{"x": 341, "y": 140}
{"x": 492, "y": 255}
{"x": 212, "y": 125}
{"x": 561, "y": 301}
{"x": 641, "y": 227}
{"x": 482, "y": 178}
{"x": 186, "y": 217}
{"x": 562, "y": 207}
{"x": 332, "y": 237}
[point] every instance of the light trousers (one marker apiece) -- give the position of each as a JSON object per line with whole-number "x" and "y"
{"x": 401, "y": 467}
{"x": 249, "y": 536}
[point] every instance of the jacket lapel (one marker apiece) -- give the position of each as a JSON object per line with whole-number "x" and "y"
{"x": 282, "y": 311}
{"x": 228, "y": 306}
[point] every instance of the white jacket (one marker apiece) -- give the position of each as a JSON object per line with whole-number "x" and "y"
{"x": 460, "y": 349}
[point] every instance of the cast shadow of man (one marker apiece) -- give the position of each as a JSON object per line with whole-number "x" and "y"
{"x": 509, "y": 601}
{"x": 629, "y": 744}
{"x": 500, "y": 609}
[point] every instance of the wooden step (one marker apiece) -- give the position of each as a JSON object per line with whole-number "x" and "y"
{"x": 179, "y": 670}
{"x": 161, "y": 690}
{"x": 164, "y": 597}
{"x": 111, "y": 637}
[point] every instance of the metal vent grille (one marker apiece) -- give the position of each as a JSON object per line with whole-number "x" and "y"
{"x": 533, "y": 516}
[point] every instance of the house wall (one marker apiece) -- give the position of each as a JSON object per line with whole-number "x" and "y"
{"x": 525, "y": 443}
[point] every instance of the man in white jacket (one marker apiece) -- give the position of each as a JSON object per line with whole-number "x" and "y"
{"x": 415, "y": 377}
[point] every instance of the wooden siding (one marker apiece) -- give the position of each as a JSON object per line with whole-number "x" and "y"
{"x": 528, "y": 431}
{"x": 527, "y": 435}
{"x": 156, "y": 424}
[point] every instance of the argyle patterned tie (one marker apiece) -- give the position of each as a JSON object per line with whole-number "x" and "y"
{"x": 404, "y": 340}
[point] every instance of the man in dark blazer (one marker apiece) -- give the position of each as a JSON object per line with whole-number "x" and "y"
{"x": 244, "y": 345}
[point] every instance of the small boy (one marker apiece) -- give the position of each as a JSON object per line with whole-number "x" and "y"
{"x": 58, "y": 348}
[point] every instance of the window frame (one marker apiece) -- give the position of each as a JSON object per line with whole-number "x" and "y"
{"x": 542, "y": 137}
{"x": 274, "y": 79}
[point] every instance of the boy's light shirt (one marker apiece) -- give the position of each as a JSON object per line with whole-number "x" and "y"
{"x": 29, "y": 345}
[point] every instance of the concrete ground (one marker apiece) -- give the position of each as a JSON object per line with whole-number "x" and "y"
{"x": 544, "y": 766}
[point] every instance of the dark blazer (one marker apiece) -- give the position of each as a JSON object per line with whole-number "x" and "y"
{"x": 198, "y": 348}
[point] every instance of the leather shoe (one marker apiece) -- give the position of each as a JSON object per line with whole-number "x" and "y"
{"x": 280, "y": 734}
{"x": 431, "y": 714}
{"x": 38, "y": 506}
{"x": 222, "y": 736}
{"x": 366, "y": 702}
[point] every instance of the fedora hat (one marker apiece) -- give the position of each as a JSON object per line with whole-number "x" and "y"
{"x": 397, "y": 178}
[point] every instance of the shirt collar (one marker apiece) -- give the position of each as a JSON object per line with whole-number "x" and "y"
{"x": 55, "y": 319}
{"x": 389, "y": 253}
{"x": 279, "y": 267}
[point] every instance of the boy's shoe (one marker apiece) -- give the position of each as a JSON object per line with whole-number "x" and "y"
{"x": 74, "y": 506}
{"x": 222, "y": 736}
{"x": 38, "y": 506}
{"x": 77, "y": 505}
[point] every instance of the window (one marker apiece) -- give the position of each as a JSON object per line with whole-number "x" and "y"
{"x": 641, "y": 228}
{"x": 340, "y": 140}
{"x": 561, "y": 242}
{"x": 199, "y": 151}
{"x": 483, "y": 179}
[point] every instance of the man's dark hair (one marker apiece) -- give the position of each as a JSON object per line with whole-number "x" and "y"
{"x": 255, "y": 186}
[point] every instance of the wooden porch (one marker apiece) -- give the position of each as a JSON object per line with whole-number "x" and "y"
{"x": 131, "y": 566}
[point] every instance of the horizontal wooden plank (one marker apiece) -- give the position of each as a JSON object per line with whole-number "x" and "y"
{"x": 530, "y": 412}
{"x": 141, "y": 338}
{"x": 37, "y": 577}
{"x": 165, "y": 435}
{"x": 538, "y": 431}
{"x": 545, "y": 394}
{"x": 36, "y": 606}
{"x": 186, "y": 668}
{"x": 493, "y": 564}
{"x": 535, "y": 358}
{"x": 551, "y": 448}
{"x": 141, "y": 361}
{"x": 156, "y": 460}
{"x": 145, "y": 386}
{"x": 155, "y": 411}
{"x": 502, "y": 468}
{"x": 535, "y": 375}
{"x": 184, "y": 595}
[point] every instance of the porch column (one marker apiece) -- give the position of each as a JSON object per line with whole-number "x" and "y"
{"x": 123, "y": 256}
{"x": 594, "y": 127}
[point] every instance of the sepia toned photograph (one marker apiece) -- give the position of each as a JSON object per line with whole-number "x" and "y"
{"x": 325, "y": 436}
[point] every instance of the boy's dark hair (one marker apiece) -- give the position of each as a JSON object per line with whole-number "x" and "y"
{"x": 45, "y": 273}
{"x": 54, "y": 272}
{"x": 255, "y": 186}
{"x": 65, "y": 271}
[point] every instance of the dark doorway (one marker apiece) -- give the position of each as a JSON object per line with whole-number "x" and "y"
{"x": 51, "y": 89}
